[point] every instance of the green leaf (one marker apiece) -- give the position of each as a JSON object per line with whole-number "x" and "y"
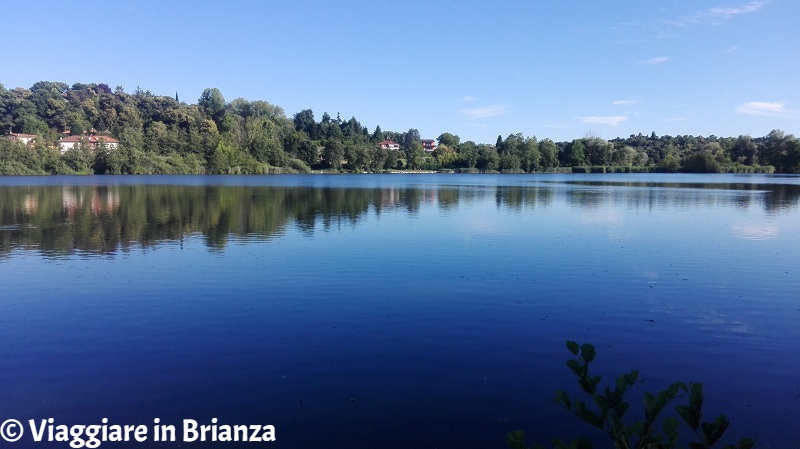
{"x": 516, "y": 440}
{"x": 602, "y": 402}
{"x": 696, "y": 396}
{"x": 588, "y": 386}
{"x": 714, "y": 430}
{"x": 588, "y": 415}
{"x": 636, "y": 428}
{"x": 746, "y": 443}
{"x": 587, "y": 352}
{"x": 649, "y": 404}
{"x": 576, "y": 367}
{"x": 581, "y": 443}
{"x": 692, "y": 413}
{"x": 671, "y": 427}
{"x": 687, "y": 415}
{"x": 621, "y": 408}
{"x": 563, "y": 399}
{"x": 626, "y": 381}
{"x": 573, "y": 347}
{"x": 673, "y": 390}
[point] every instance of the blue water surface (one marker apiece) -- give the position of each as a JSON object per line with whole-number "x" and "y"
{"x": 395, "y": 311}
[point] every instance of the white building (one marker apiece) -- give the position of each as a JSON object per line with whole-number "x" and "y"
{"x": 22, "y": 138}
{"x": 68, "y": 143}
{"x": 389, "y": 145}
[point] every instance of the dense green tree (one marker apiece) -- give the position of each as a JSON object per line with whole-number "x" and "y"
{"x": 79, "y": 159}
{"x": 451, "y": 140}
{"x": 309, "y": 152}
{"x": 488, "y": 159}
{"x": 333, "y": 153}
{"x": 377, "y": 159}
{"x": 377, "y": 136}
{"x": 212, "y": 101}
{"x": 670, "y": 164}
{"x": 410, "y": 137}
{"x": 264, "y": 141}
{"x": 509, "y": 162}
{"x": 531, "y": 155}
{"x": 625, "y": 156}
{"x": 304, "y": 121}
{"x": 790, "y": 160}
{"x": 48, "y": 97}
{"x": 415, "y": 154}
{"x": 331, "y": 130}
{"x": 575, "y": 153}
{"x": 468, "y": 152}
{"x": 394, "y": 159}
{"x": 358, "y": 157}
{"x": 744, "y": 151}
{"x": 549, "y": 151}
{"x": 701, "y": 162}
{"x": 353, "y": 130}
{"x": 599, "y": 151}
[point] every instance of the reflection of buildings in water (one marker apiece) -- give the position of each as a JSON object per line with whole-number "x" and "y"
{"x": 428, "y": 196}
{"x": 393, "y": 197}
{"x": 104, "y": 205}
{"x": 70, "y": 201}
{"x": 390, "y": 197}
{"x": 31, "y": 204}
{"x": 100, "y": 199}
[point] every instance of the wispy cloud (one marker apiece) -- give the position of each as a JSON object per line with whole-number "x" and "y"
{"x": 624, "y": 102}
{"x": 467, "y": 98}
{"x": 658, "y": 60}
{"x": 486, "y": 111}
{"x": 718, "y": 15}
{"x": 676, "y": 119}
{"x": 727, "y": 13}
{"x": 611, "y": 120}
{"x": 769, "y": 109}
{"x": 647, "y": 31}
{"x": 728, "y": 50}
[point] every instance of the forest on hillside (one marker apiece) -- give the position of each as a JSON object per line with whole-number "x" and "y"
{"x": 161, "y": 134}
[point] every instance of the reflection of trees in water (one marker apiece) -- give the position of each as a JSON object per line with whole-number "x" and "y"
{"x": 105, "y": 219}
{"x": 520, "y": 197}
{"x": 59, "y": 220}
{"x": 648, "y": 195}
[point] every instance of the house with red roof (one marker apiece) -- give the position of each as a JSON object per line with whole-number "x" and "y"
{"x": 389, "y": 145}
{"x": 22, "y": 138}
{"x": 67, "y": 143}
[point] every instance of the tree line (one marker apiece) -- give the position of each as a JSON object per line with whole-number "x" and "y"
{"x": 161, "y": 134}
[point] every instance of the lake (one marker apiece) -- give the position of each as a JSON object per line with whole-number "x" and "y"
{"x": 395, "y": 311}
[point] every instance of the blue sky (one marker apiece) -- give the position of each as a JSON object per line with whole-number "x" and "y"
{"x": 479, "y": 69}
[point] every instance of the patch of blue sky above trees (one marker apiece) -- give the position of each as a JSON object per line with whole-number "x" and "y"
{"x": 550, "y": 69}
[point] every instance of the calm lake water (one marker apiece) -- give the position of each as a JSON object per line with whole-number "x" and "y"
{"x": 395, "y": 311}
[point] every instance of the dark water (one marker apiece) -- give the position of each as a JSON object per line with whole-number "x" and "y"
{"x": 394, "y": 311}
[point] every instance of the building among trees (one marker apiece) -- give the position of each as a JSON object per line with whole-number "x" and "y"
{"x": 67, "y": 143}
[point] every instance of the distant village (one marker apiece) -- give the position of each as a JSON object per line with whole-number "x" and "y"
{"x": 90, "y": 139}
